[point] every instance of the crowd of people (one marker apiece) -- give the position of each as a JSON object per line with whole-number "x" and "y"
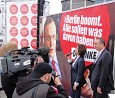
{"x": 56, "y": 78}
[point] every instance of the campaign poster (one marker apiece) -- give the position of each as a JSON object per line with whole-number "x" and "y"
{"x": 80, "y": 26}
{"x": 49, "y": 37}
{"x": 21, "y": 23}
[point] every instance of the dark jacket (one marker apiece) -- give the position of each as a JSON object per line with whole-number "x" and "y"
{"x": 9, "y": 82}
{"x": 25, "y": 86}
{"x": 77, "y": 72}
{"x": 102, "y": 74}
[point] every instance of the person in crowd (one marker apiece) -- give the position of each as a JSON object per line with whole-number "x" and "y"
{"x": 101, "y": 1}
{"x": 9, "y": 82}
{"x": 86, "y": 90}
{"x": 77, "y": 71}
{"x": 57, "y": 59}
{"x": 36, "y": 84}
{"x": 102, "y": 71}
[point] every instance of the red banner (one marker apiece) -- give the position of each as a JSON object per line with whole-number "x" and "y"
{"x": 81, "y": 27}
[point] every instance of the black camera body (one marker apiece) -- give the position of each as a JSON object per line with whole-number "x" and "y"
{"x": 16, "y": 63}
{"x": 21, "y": 59}
{"x": 54, "y": 74}
{"x": 53, "y": 79}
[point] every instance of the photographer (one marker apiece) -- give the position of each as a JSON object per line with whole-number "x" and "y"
{"x": 9, "y": 82}
{"x": 35, "y": 85}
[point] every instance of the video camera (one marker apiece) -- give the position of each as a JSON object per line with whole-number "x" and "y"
{"x": 21, "y": 59}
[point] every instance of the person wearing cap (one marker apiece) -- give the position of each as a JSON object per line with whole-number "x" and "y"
{"x": 36, "y": 84}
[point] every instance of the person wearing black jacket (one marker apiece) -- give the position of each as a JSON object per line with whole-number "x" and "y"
{"x": 102, "y": 71}
{"x": 77, "y": 71}
{"x": 41, "y": 75}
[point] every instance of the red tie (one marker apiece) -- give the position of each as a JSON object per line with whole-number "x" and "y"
{"x": 54, "y": 65}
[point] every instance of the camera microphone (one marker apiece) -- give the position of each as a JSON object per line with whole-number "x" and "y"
{"x": 43, "y": 52}
{"x": 68, "y": 54}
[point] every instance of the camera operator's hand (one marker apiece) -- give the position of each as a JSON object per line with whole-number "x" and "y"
{"x": 40, "y": 59}
{"x": 57, "y": 79}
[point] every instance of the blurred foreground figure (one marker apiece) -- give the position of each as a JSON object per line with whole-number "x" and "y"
{"x": 9, "y": 82}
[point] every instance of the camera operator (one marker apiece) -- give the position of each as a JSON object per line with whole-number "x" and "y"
{"x": 9, "y": 82}
{"x": 35, "y": 85}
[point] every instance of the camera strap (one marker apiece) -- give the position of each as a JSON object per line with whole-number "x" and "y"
{"x": 40, "y": 91}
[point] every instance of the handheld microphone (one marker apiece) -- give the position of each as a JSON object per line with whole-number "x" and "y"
{"x": 68, "y": 54}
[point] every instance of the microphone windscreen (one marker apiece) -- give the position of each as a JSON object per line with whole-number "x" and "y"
{"x": 44, "y": 51}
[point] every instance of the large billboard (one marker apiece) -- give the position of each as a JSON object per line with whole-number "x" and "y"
{"x": 75, "y": 27}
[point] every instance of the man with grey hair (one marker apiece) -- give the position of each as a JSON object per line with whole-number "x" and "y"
{"x": 102, "y": 71}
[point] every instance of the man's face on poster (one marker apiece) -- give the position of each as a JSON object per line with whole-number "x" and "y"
{"x": 50, "y": 38}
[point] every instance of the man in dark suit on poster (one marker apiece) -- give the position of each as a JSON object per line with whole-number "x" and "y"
{"x": 56, "y": 58}
{"x": 102, "y": 71}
